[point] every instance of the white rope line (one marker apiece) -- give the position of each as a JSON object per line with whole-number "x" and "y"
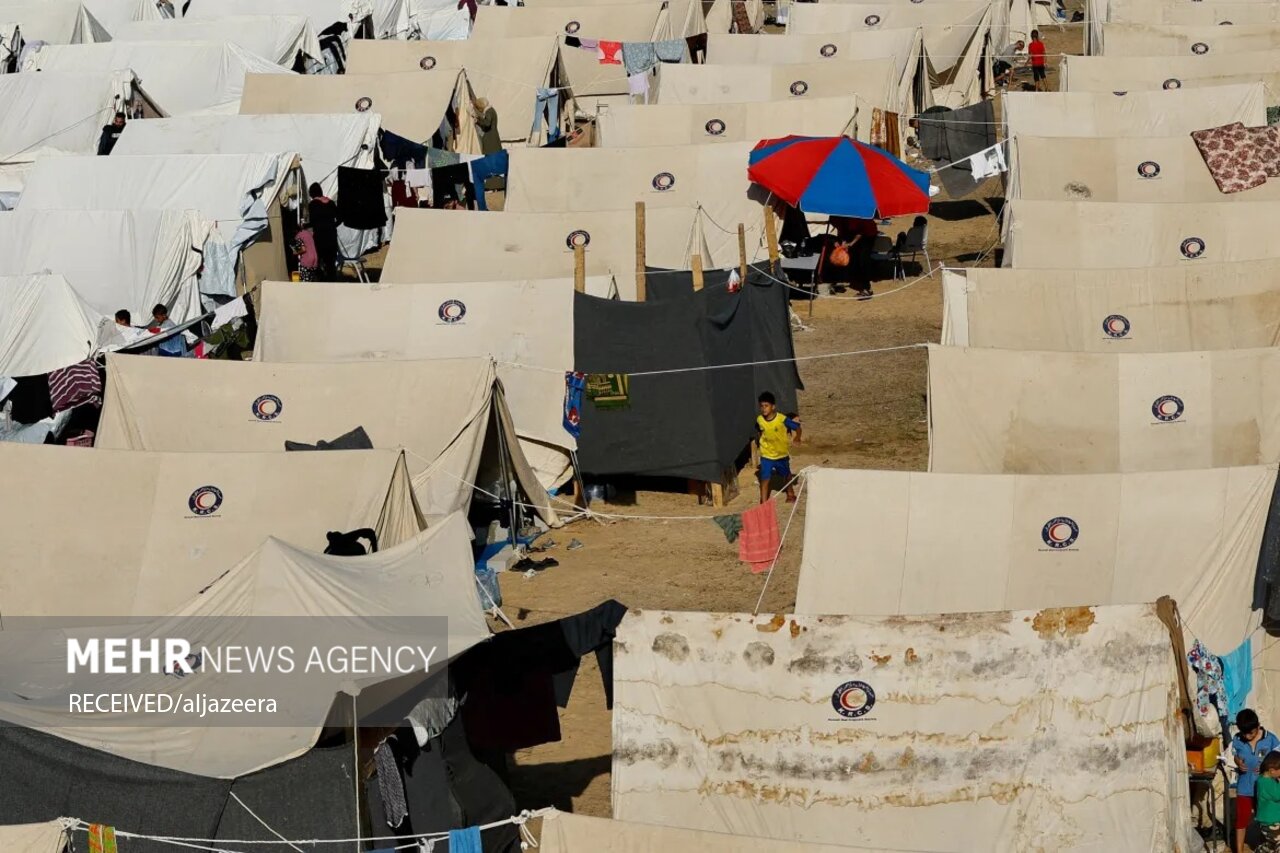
{"x": 783, "y": 540}
{"x": 267, "y": 826}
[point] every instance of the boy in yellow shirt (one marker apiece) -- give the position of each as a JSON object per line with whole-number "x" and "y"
{"x": 774, "y": 436}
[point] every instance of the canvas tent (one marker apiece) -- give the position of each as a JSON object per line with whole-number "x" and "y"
{"x": 213, "y": 77}
{"x": 566, "y": 832}
{"x": 637, "y": 125}
{"x": 448, "y": 415}
{"x": 114, "y": 259}
{"x": 54, "y": 21}
{"x": 242, "y": 193}
{"x": 875, "y": 80}
{"x": 507, "y": 246}
{"x": 48, "y": 837}
{"x": 1136, "y": 39}
{"x": 1109, "y": 168}
{"x": 389, "y": 18}
{"x": 436, "y": 20}
{"x": 1165, "y": 73}
{"x": 412, "y": 104}
{"x": 1172, "y": 113}
{"x": 1185, "y": 13}
{"x": 1023, "y": 541}
{"x": 1153, "y": 309}
{"x": 505, "y": 73}
{"x": 44, "y": 325}
{"x": 1093, "y": 235}
{"x": 54, "y": 106}
{"x": 787, "y": 727}
{"x": 282, "y": 39}
{"x": 177, "y": 520}
{"x": 114, "y": 13}
{"x": 1031, "y": 412}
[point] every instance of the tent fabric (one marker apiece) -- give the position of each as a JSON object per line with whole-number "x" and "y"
{"x": 323, "y": 142}
{"x": 439, "y": 411}
{"x": 130, "y": 259}
{"x": 1156, "y": 309}
{"x": 277, "y": 38}
{"x": 506, "y": 73}
{"x": 784, "y": 727}
{"x": 1166, "y": 73}
{"x": 873, "y": 79}
{"x": 390, "y": 18}
{"x": 1094, "y": 235}
{"x": 429, "y": 575}
{"x": 212, "y": 81}
{"x": 54, "y": 107}
{"x": 113, "y": 13}
{"x": 699, "y": 330}
{"x": 1171, "y": 113}
{"x": 508, "y": 245}
{"x": 634, "y": 126}
{"x": 1125, "y": 538}
{"x": 44, "y": 325}
{"x": 1132, "y": 169}
{"x": 54, "y": 21}
{"x": 1134, "y": 39}
{"x": 412, "y": 104}
{"x": 565, "y": 832}
{"x": 47, "y": 837}
{"x": 997, "y": 411}
{"x": 154, "y": 550}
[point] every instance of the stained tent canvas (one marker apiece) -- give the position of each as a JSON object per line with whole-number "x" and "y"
{"x": 1168, "y": 73}
{"x": 1172, "y": 113}
{"x": 638, "y": 125}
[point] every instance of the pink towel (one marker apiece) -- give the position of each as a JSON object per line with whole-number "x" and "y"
{"x": 759, "y": 542}
{"x": 608, "y": 52}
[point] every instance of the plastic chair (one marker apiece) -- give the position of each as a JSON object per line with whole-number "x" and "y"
{"x": 915, "y": 241}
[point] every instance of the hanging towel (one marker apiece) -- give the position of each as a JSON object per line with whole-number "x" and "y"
{"x": 988, "y": 163}
{"x": 759, "y": 542}
{"x": 102, "y": 839}
{"x": 697, "y": 48}
{"x": 465, "y": 840}
{"x": 490, "y": 166}
{"x": 671, "y": 50}
{"x": 741, "y": 20}
{"x": 390, "y": 785}
{"x": 730, "y": 525}
{"x": 360, "y": 198}
{"x": 893, "y": 139}
{"x": 589, "y": 44}
{"x": 638, "y": 84}
{"x": 574, "y": 383}
{"x": 638, "y": 56}
{"x": 607, "y": 52}
{"x": 71, "y": 386}
{"x": 1211, "y": 690}
{"x": 877, "y": 127}
{"x": 1237, "y": 675}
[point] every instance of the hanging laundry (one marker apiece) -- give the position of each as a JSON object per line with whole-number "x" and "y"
{"x": 759, "y": 542}
{"x": 638, "y": 56}
{"x": 590, "y": 631}
{"x": 451, "y": 183}
{"x": 465, "y": 840}
{"x": 6, "y": 385}
{"x": 547, "y": 109}
{"x": 102, "y": 839}
{"x": 1237, "y": 676}
{"x": 607, "y": 52}
{"x": 401, "y": 152}
{"x": 892, "y": 136}
{"x": 71, "y": 386}
{"x": 390, "y": 785}
{"x": 589, "y": 44}
{"x": 360, "y": 198}
{"x": 401, "y": 195}
{"x": 489, "y": 172}
{"x": 229, "y": 311}
{"x": 572, "y": 41}
{"x": 877, "y": 128}
{"x": 730, "y": 525}
{"x": 574, "y": 383}
{"x": 30, "y": 399}
{"x": 988, "y": 163}
{"x": 741, "y": 20}
{"x": 697, "y": 48}
{"x": 417, "y": 178}
{"x": 1211, "y": 689}
{"x": 638, "y": 84}
{"x": 609, "y": 390}
{"x": 438, "y": 157}
{"x": 671, "y": 50}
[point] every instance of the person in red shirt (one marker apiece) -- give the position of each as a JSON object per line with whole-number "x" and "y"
{"x": 1036, "y": 51}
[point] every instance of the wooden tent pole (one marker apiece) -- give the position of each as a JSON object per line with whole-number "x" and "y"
{"x": 742, "y": 251}
{"x": 771, "y": 234}
{"x": 579, "y": 268}
{"x": 640, "y": 259}
{"x": 697, "y": 271}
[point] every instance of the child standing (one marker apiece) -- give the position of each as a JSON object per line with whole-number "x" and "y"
{"x": 1267, "y": 800}
{"x": 774, "y": 435}
{"x": 1036, "y": 51}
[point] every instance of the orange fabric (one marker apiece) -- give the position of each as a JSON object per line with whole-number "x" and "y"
{"x": 758, "y": 543}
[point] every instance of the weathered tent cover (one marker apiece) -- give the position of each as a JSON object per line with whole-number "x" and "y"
{"x": 54, "y": 21}
{"x": 505, "y": 72}
{"x": 873, "y": 79}
{"x": 1138, "y": 39}
{"x": 1021, "y": 541}
{"x": 429, "y": 575}
{"x": 44, "y": 325}
{"x": 323, "y": 142}
{"x": 637, "y": 125}
{"x": 177, "y": 520}
{"x": 1108, "y": 168}
{"x": 114, "y": 259}
{"x": 212, "y": 78}
{"x": 518, "y": 246}
{"x": 976, "y": 731}
{"x": 278, "y": 38}
{"x": 412, "y": 104}
{"x": 113, "y": 13}
{"x": 47, "y": 837}
{"x": 439, "y": 411}
{"x": 565, "y": 832}
{"x": 53, "y": 107}
{"x": 716, "y": 404}
{"x": 1167, "y": 73}
{"x": 1093, "y": 235}
{"x": 1181, "y": 14}
{"x": 997, "y": 411}
{"x": 390, "y": 18}
{"x": 1171, "y": 113}
{"x": 1153, "y": 309}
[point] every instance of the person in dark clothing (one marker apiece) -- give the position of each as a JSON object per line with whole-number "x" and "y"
{"x": 348, "y": 544}
{"x": 324, "y": 230}
{"x": 110, "y": 133}
{"x": 124, "y": 318}
{"x": 487, "y": 123}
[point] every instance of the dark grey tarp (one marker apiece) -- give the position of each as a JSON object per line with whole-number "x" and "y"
{"x": 1266, "y": 585}
{"x": 356, "y": 439}
{"x": 311, "y": 796}
{"x": 691, "y": 423}
{"x": 950, "y": 136}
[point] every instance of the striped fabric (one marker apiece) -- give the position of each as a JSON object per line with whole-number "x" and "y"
{"x": 71, "y": 386}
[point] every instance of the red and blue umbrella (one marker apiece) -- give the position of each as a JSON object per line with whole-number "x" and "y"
{"x": 838, "y": 176}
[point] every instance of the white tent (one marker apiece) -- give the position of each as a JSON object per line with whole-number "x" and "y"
{"x": 212, "y": 78}
{"x": 437, "y": 20}
{"x": 278, "y": 38}
{"x": 927, "y": 542}
{"x": 323, "y": 142}
{"x": 874, "y": 80}
{"x": 1138, "y": 39}
{"x": 1152, "y": 309}
{"x": 44, "y": 325}
{"x": 1032, "y": 412}
{"x": 1165, "y": 73}
{"x": 277, "y": 590}
{"x": 636, "y": 125}
{"x": 54, "y": 21}
{"x": 114, "y": 13}
{"x": 390, "y": 18}
{"x": 114, "y": 259}
{"x": 1185, "y": 13}
{"x": 62, "y": 113}
{"x": 1174, "y": 113}
{"x": 565, "y": 832}
{"x": 441, "y": 412}
{"x": 49, "y": 837}
{"x": 178, "y": 521}
{"x": 976, "y": 731}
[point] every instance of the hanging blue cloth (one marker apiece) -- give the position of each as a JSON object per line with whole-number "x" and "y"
{"x": 574, "y": 384}
{"x": 1237, "y": 675}
{"x": 465, "y": 840}
{"x": 488, "y": 166}
{"x": 547, "y": 109}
